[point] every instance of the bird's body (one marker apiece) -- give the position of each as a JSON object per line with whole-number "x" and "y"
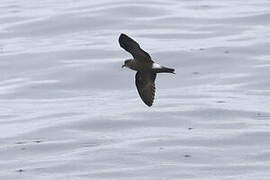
{"x": 138, "y": 65}
{"x": 146, "y": 69}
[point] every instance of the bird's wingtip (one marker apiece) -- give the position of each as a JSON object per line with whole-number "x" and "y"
{"x": 122, "y": 35}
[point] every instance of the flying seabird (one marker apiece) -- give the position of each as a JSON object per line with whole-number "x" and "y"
{"x": 146, "y": 68}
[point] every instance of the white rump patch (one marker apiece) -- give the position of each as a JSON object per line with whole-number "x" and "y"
{"x": 156, "y": 66}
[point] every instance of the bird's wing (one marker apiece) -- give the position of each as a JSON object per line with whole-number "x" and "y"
{"x": 134, "y": 48}
{"x": 145, "y": 83}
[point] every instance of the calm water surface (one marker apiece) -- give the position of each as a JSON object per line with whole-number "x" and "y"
{"x": 69, "y": 111}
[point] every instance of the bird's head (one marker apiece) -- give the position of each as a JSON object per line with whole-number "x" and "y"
{"x": 127, "y": 63}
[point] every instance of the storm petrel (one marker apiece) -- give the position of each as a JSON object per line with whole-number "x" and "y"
{"x": 146, "y": 68}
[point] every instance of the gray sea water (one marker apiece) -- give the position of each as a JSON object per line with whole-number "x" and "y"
{"x": 68, "y": 111}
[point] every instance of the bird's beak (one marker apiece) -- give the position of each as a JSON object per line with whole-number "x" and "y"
{"x": 123, "y": 66}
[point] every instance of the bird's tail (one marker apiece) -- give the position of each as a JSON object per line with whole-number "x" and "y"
{"x": 166, "y": 70}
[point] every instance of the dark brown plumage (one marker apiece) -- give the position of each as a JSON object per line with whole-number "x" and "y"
{"x": 134, "y": 48}
{"x": 145, "y": 83}
{"x": 146, "y": 69}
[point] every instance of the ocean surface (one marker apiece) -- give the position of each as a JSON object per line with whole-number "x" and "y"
{"x": 68, "y": 111}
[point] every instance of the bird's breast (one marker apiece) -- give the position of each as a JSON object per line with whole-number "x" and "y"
{"x": 140, "y": 66}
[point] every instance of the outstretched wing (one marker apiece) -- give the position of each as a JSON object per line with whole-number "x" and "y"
{"x": 133, "y": 48}
{"x": 145, "y": 83}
